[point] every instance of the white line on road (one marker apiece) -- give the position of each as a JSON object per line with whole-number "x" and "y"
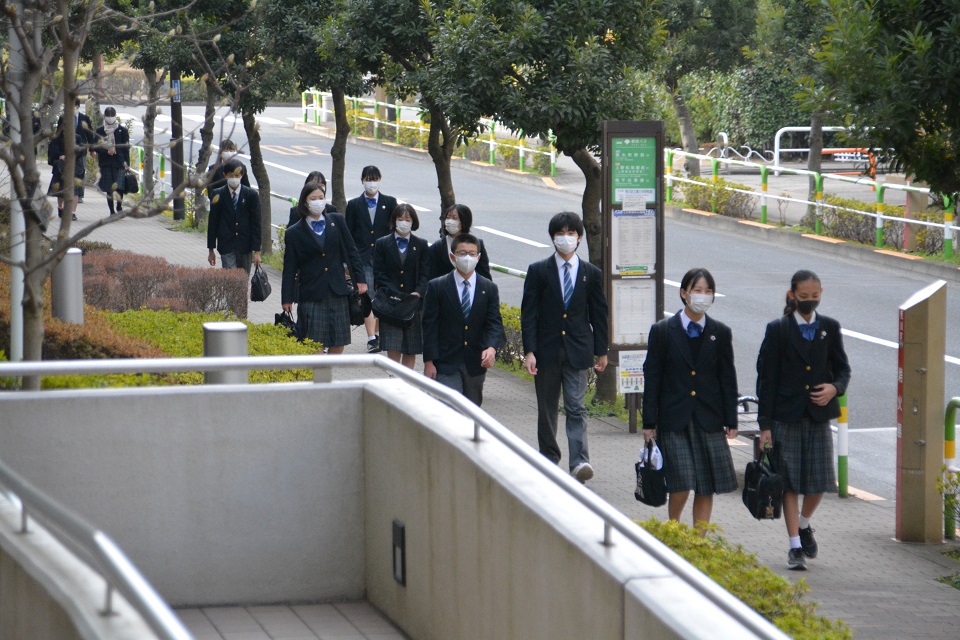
{"x": 415, "y": 206}
{"x": 266, "y": 120}
{"x": 887, "y": 343}
{"x": 532, "y": 243}
{"x": 871, "y": 429}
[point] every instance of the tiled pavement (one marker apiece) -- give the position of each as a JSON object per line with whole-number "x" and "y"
{"x": 881, "y": 588}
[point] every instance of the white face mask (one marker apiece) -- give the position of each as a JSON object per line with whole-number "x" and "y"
{"x": 316, "y": 207}
{"x": 404, "y": 227}
{"x": 234, "y": 183}
{"x": 565, "y": 244}
{"x": 452, "y": 226}
{"x": 700, "y": 302}
{"x": 371, "y": 187}
{"x": 227, "y": 155}
{"x": 466, "y": 264}
{"x": 110, "y": 120}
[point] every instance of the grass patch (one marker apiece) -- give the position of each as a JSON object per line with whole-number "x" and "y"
{"x": 953, "y": 581}
{"x": 772, "y": 596}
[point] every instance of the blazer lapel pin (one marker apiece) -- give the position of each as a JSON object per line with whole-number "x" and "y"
{"x": 823, "y": 334}
{"x": 713, "y": 337}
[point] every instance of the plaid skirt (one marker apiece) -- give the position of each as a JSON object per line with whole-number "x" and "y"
{"x": 803, "y": 456}
{"x": 326, "y": 322}
{"x": 407, "y": 341}
{"x": 698, "y": 460}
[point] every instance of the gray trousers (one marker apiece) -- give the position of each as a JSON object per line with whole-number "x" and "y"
{"x": 237, "y": 260}
{"x": 548, "y": 383}
{"x": 462, "y": 381}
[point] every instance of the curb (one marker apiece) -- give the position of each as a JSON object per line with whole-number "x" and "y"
{"x": 776, "y": 235}
{"x": 512, "y": 175}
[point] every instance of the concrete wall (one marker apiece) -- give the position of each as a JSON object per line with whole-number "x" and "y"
{"x": 494, "y": 549}
{"x": 246, "y": 494}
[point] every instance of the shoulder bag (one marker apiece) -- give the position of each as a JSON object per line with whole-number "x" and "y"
{"x": 259, "y": 285}
{"x": 651, "y": 486}
{"x": 398, "y": 309}
{"x": 762, "y": 489}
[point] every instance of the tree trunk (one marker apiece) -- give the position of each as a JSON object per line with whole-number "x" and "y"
{"x": 688, "y": 134}
{"x": 814, "y": 163}
{"x": 338, "y": 153}
{"x": 263, "y": 181}
{"x": 206, "y": 151}
{"x": 593, "y": 225}
{"x": 441, "y": 151}
{"x": 154, "y": 84}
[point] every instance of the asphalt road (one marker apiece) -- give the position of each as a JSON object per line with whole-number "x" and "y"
{"x": 752, "y": 275}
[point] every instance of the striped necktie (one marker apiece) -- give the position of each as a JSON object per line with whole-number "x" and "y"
{"x": 567, "y": 285}
{"x": 465, "y": 299}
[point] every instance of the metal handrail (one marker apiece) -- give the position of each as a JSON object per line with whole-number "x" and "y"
{"x": 113, "y": 564}
{"x": 612, "y": 519}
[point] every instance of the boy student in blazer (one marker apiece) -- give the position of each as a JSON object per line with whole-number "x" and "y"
{"x": 801, "y": 371}
{"x": 368, "y": 217}
{"x": 400, "y": 265}
{"x": 234, "y": 225}
{"x": 690, "y": 399}
{"x": 563, "y": 317}
{"x": 462, "y": 326}
{"x": 320, "y": 250}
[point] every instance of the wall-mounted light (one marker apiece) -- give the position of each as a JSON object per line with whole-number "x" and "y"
{"x": 399, "y": 553}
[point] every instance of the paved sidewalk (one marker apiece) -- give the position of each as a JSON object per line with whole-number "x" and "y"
{"x": 881, "y": 588}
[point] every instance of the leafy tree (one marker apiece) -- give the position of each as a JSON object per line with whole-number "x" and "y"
{"x": 893, "y": 68}
{"x": 312, "y": 35}
{"x": 701, "y": 35}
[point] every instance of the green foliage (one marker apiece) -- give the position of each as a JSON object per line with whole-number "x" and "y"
{"x": 847, "y": 225}
{"x": 893, "y": 67}
{"x": 705, "y": 195}
{"x": 512, "y": 350}
{"x": 86, "y": 246}
{"x": 411, "y": 135}
{"x": 769, "y": 594}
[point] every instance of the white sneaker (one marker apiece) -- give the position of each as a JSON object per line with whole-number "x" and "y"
{"x": 582, "y": 472}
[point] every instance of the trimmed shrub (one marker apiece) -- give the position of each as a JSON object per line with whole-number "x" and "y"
{"x": 360, "y": 122}
{"x": 705, "y": 195}
{"x": 409, "y": 134}
{"x": 847, "y": 225}
{"x": 214, "y": 290}
{"x": 511, "y": 353}
{"x": 737, "y": 571}
{"x": 86, "y": 246}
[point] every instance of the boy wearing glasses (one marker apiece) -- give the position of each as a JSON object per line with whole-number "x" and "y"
{"x": 563, "y": 318}
{"x": 462, "y": 326}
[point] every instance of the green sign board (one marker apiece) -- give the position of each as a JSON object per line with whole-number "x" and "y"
{"x": 633, "y": 170}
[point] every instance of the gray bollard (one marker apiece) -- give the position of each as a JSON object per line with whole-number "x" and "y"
{"x": 67, "y": 288}
{"x": 222, "y": 340}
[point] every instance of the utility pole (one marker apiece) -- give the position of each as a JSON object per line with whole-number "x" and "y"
{"x": 176, "y": 143}
{"x": 18, "y": 226}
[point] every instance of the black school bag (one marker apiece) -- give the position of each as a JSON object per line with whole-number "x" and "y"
{"x": 762, "y": 489}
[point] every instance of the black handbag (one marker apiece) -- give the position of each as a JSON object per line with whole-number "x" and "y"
{"x": 130, "y": 184}
{"x": 359, "y": 303}
{"x": 259, "y": 285}
{"x": 762, "y": 489}
{"x": 398, "y": 309}
{"x": 286, "y": 321}
{"x": 651, "y": 483}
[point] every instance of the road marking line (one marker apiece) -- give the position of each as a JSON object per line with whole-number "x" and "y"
{"x": 871, "y": 429}
{"x": 267, "y": 120}
{"x": 415, "y": 206}
{"x": 864, "y": 495}
{"x": 887, "y": 343}
{"x": 193, "y": 118}
{"x": 532, "y": 243}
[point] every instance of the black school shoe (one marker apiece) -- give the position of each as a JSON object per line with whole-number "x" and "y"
{"x": 796, "y": 560}
{"x": 373, "y": 345}
{"x": 808, "y": 543}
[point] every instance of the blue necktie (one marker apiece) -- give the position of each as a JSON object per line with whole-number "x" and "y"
{"x": 809, "y": 331}
{"x": 236, "y": 196}
{"x": 694, "y": 330}
{"x": 371, "y": 203}
{"x": 465, "y": 299}
{"x": 567, "y": 285}
{"x": 402, "y": 244}
{"x": 318, "y": 226}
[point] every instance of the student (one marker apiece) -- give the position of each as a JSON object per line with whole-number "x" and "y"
{"x": 462, "y": 326}
{"x": 563, "y": 317}
{"x": 57, "y": 159}
{"x": 313, "y": 176}
{"x": 228, "y": 151}
{"x": 234, "y": 225}
{"x": 400, "y": 266}
{"x": 320, "y": 250}
{"x": 113, "y": 158}
{"x": 801, "y": 371}
{"x": 457, "y": 219}
{"x": 368, "y": 216}
{"x": 84, "y": 128}
{"x": 690, "y": 399}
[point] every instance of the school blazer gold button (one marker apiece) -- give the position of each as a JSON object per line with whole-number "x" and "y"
{"x": 464, "y": 343}
{"x": 564, "y": 315}
{"x": 693, "y": 373}
{"x": 326, "y": 269}
{"x": 401, "y": 271}
{"x": 401, "y": 286}
{"x": 466, "y": 328}
{"x": 808, "y": 367}
{"x": 323, "y": 255}
{"x": 563, "y": 333}
{"x": 693, "y": 393}
{"x": 806, "y": 387}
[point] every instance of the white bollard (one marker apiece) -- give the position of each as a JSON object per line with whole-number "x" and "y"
{"x": 223, "y": 340}
{"x": 67, "y": 288}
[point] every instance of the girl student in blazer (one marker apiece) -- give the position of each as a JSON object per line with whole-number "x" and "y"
{"x": 801, "y": 371}
{"x": 113, "y": 158}
{"x": 400, "y": 265}
{"x": 457, "y": 219}
{"x": 321, "y": 250}
{"x": 690, "y": 400}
